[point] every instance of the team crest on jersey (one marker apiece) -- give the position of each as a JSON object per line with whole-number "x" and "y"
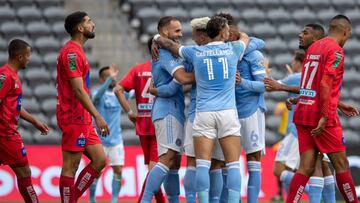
{"x": 261, "y": 63}
{"x": 338, "y": 58}
{"x": 72, "y": 60}
{"x": 2, "y": 79}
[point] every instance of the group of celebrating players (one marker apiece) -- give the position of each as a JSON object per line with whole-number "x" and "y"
{"x": 228, "y": 77}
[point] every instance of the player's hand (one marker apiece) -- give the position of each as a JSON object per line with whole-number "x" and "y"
{"x": 153, "y": 89}
{"x": 132, "y": 117}
{"x": 244, "y": 37}
{"x": 348, "y": 109}
{"x": 267, "y": 66}
{"x": 154, "y": 51}
{"x": 271, "y": 84}
{"x": 320, "y": 127}
{"x": 237, "y": 78}
{"x": 113, "y": 71}
{"x": 42, "y": 127}
{"x": 290, "y": 102}
{"x": 102, "y": 126}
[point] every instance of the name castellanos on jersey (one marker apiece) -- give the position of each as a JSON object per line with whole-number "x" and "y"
{"x": 216, "y": 52}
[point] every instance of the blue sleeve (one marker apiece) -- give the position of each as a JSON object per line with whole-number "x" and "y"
{"x": 168, "y": 90}
{"x": 255, "y": 44}
{"x": 186, "y": 52}
{"x": 171, "y": 63}
{"x": 100, "y": 92}
{"x": 291, "y": 80}
{"x": 258, "y": 74}
{"x": 239, "y": 48}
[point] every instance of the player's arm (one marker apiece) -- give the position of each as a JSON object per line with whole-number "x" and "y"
{"x": 258, "y": 73}
{"x": 120, "y": 95}
{"x": 168, "y": 44}
{"x": 255, "y": 44}
{"x": 77, "y": 85}
{"x": 166, "y": 90}
{"x": 102, "y": 89}
{"x": 5, "y": 85}
{"x": 348, "y": 109}
{"x": 42, "y": 127}
{"x": 183, "y": 77}
{"x": 273, "y": 85}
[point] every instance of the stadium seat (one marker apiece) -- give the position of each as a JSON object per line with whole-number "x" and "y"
{"x": 215, "y": 4}
{"x": 291, "y": 5}
{"x": 26, "y": 136}
{"x": 186, "y": 29}
{"x": 264, "y": 30}
{"x": 11, "y": 29}
{"x": 166, "y": 4}
{"x": 293, "y": 44}
{"x": 242, "y": 5}
{"x": 50, "y": 60}
{"x": 59, "y": 31}
{"x": 342, "y": 5}
{"x": 354, "y": 16}
{"x": 52, "y": 138}
{"x": 27, "y": 92}
{"x": 49, "y": 3}
{"x": 3, "y": 58}
{"x": 355, "y": 92}
{"x": 253, "y": 16}
{"x": 326, "y": 14}
{"x": 351, "y": 138}
{"x": 31, "y": 105}
{"x": 125, "y": 122}
{"x": 278, "y": 16}
{"x": 54, "y": 14}
{"x": 45, "y": 91}
{"x": 151, "y": 28}
{"x": 235, "y": 13}
{"x": 354, "y": 123}
{"x": 3, "y": 45}
{"x": 7, "y": 14}
{"x": 244, "y": 27}
{"x": 35, "y": 61}
{"x": 276, "y": 45}
{"x": 137, "y": 5}
{"x": 149, "y": 15}
{"x": 189, "y": 4}
{"x": 268, "y": 4}
{"x": 315, "y": 5}
{"x": 200, "y": 12}
{"x": 271, "y": 137}
{"x": 37, "y": 76}
{"x": 179, "y": 12}
{"x": 272, "y": 122}
{"x": 53, "y": 122}
{"x": 38, "y": 29}
{"x": 345, "y": 94}
{"x": 29, "y": 14}
{"x": 48, "y": 107}
{"x": 46, "y": 45}
{"x": 289, "y": 31}
{"x": 304, "y": 16}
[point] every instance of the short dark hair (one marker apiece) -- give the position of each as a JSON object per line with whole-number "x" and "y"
{"x": 228, "y": 17}
{"x": 73, "y": 20}
{"x": 299, "y": 55}
{"x": 215, "y": 25}
{"x": 164, "y": 21}
{"x": 319, "y": 30}
{"x": 342, "y": 22}
{"x": 149, "y": 43}
{"x": 103, "y": 69}
{"x": 16, "y": 47}
{"x": 341, "y": 17}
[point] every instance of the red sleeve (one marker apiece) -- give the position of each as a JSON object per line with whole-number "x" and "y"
{"x": 73, "y": 64}
{"x": 333, "y": 60}
{"x": 5, "y": 84}
{"x": 325, "y": 94}
{"x": 128, "y": 81}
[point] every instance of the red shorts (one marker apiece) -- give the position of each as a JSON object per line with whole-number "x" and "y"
{"x": 12, "y": 152}
{"x": 76, "y": 137}
{"x": 149, "y": 147}
{"x": 331, "y": 140}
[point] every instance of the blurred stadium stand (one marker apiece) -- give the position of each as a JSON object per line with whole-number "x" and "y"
{"x": 278, "y": 22}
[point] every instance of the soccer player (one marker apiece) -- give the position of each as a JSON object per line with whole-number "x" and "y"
{"x": 106, "y": 103}
{"x": 315, "y": 116}
{"x": 215, "y": 68}
{"x": 12, "y": 149}
{"x": 74, "y": 111}
{"x": 168, "y": 116}
{"x": 139, "y": 79}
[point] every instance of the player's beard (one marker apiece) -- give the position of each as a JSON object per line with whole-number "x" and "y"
{"x": 89, "y": 35}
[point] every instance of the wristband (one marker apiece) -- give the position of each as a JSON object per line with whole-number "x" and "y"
{"x": 130, "y": 112}
{"x": 156, "y": 37}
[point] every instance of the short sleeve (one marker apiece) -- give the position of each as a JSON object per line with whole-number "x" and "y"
{"x": 286, "y": 81}
{"x": 128, "y": 81}
{"x": 334, "y": 59}
{"x": 74, "y": 64}
{"x": 5, "y": 85}
{"x": 238, "y": 48}
{"x": 172, "y": 64}
{"x": 258, "y": 64}
{"x": 186, "y": 52}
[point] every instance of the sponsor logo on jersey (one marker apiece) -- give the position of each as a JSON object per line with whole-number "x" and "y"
{"x": 306, "y": 101}
{"x": 72, "y": 60}
{"x": 145, "y": 106}
{"x": 23, "y": 151}
{"x": 2, "y": 79}
{"x": 338, "y": 58}
{"x": 81, "y": 141}
{"x": 307, "y": 93}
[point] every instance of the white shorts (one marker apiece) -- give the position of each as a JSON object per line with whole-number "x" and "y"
{"x": 288, "y": 152}
{"x": 326, "y": 158}
{"x": 216, "y": 124}
{"x": 253, "y": 132}
{"x": 115, "y": 154}
{"x": 189, "y": 144}
{"x": 169, "y": 134}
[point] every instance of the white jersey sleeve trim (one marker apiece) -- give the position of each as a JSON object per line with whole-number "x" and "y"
{"x": 175, "y": 69}
{"x": 176, "y": 81}
{"x": 180, "y": 52}
{"x": 280, "y": 82}
{"x": 259, "y": 72}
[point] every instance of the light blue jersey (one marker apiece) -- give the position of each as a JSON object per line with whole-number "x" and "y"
{"x": 250, "y": 92}
{"x": 162, "y": 73}
{"x": 109, "y": 108}
{"x": 215, "y": 68}
{"x": 292, "y": 80}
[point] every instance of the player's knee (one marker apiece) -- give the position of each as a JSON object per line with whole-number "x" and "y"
{"x": 23, "y": 172}
{"x": 340, "y": 164}
{"x": 308, "y": 170}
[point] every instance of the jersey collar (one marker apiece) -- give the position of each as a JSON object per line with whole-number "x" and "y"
{"x": 216, "y": 43}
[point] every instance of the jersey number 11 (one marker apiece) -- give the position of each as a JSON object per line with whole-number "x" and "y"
{"x": 210, "y": 68}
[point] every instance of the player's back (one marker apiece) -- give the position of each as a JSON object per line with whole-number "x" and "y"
{"x": 71, "y": 63}
{"x": 215, "y": 68}
{"x": 324, "y": 56}
{"x": 10, "y": 105}
{"x": 162, "y": 71}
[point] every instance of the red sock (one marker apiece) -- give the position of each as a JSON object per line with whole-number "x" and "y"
{"x": 296, "y": 188}
{"x": 159, "y": 196}
{"x": 67, "y": 189}
{"x": 27, "y": 190}
{"x": 83, "y": 182}
{"x": 346, "y": 186}
{"x": 143, "y": 188}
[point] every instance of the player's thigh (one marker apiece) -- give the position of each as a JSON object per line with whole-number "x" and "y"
{"x": 289, "y": 152}
{"x": 188, "y": 142}
{"x": 74, "y": 137}
{"x": 217, "y": 153}
{"x": 71, "y": 162}
{"x": 96, "y": 154}
{"x": 308, "y": 161}
{"x": 169, "y": 134}
{"x": 331, "y": 140}
{"x": 115, "y": 154}
{"x": 21, "y": 172}
{"x": 253, "y": 133}
{"x": 305, "y": 139}
{"x": 231, "y": 148}
{"x": 13, "y": 152}
{"x": 203, "y": 147}
{"x": 339, "y": 161}
{"x": 204, "y": 134}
